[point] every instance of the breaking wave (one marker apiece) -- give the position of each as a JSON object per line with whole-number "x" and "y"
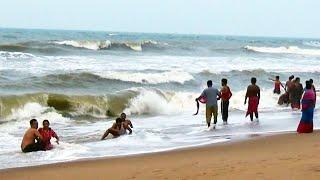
{"x": 284, "y": 50}
{"x": 100, "y": 45}
{"x": 132, "y": 101}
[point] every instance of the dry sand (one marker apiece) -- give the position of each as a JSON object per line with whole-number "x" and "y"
{"x": 285, "y": 156}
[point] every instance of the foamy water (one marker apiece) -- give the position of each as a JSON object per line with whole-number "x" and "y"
{"x": 79, "y": 80}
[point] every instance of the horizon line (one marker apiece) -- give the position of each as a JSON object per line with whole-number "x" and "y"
{"x": 175, "y": 33}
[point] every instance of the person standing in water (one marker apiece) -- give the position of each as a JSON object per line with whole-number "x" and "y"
{"x": 296, "y": 94}
{"x": 47, "y": 133}
{"x": 253, "y": 93}
{"x": 211, "y": 96}
{"x": 277, "y": 85}
{"x": 225, "y": 97}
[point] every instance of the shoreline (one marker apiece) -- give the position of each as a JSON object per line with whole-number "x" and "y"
{"x": 285, "y": 155}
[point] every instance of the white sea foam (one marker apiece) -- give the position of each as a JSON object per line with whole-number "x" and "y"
{"x": 312, "y": 43}
{"x": 150, "y": 78}
{"x": 15, "y": 55}
{"x": 93, "y": 45}
{"x": 285, "y": 50}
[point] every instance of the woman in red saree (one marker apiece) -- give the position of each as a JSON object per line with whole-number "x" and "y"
{"x": 308, "y": 101}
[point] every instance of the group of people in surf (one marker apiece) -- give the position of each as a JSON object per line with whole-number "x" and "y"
{"x": 211, "y": 95}
{"x": 299, "y": 97}
{"x": 36, "y": 139}
{"x": 293, "y": 91}
{"x": 305, "y": 98}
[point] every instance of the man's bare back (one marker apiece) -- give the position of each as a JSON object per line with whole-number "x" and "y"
{"x": 29, "y": 137}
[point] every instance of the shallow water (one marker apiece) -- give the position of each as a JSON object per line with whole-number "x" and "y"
{"x": 80, "y": 80}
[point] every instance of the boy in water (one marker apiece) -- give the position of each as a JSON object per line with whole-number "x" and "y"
{"x": 253, "y": 93}
{"x": 277, "y": 85}
{"x": 117, "y": 129}
{"x": 225, "y": 97}
{"x": 211, "y": 95}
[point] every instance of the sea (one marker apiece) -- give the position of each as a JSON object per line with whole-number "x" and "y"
{"x": 82, "y": 80}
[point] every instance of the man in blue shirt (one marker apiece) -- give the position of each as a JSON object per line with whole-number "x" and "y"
{"x": 211, "y": 96}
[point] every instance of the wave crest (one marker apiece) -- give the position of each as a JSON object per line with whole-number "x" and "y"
{"x": 284, "y": 50}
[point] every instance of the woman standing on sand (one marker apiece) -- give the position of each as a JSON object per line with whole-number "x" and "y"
{"x": 308, "y": 101}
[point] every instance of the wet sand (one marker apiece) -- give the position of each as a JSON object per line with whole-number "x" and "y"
{"x": 284, "y": 156}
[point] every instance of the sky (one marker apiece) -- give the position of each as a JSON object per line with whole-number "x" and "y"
{"x": 284, "y": 18}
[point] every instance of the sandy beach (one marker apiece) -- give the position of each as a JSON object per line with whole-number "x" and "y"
{"x": 284, "y": 156}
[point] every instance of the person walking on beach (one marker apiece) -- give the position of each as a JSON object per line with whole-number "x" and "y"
{"x": 277, "y": 85}
{"x": 210, "y": 95}
{"x": 308, "y": 103}
{"x": 253, "y": 93}
{"x": 32, "y": 138}
{"x": 225, "y": 97}
{"x": 296, "y": 94}
{"x": 47, "y": 133}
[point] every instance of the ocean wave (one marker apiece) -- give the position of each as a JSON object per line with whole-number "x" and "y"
{"x": 15, "y": 55}
{"x": 312, "y": 43}
{"x": 149, "y": 78}
{"x": 100, "y": 45}
{"x": 284, "y": 50}
{"x": 92, "y": 45}
{"x": 132, "y": 101}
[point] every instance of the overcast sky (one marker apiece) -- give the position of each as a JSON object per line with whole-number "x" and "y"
{"x": 289, "y": 18}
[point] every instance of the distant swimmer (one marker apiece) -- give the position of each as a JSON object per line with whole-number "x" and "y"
{"x": 277, "y": 85}
{"x": 210, "y": 96}
{"x": 47, "y": 133}
{"x": 225, "y": 97}
{"x": 126, "y": 121}
{"x": 117, "y": 129}
{"x": 32, "y": 138}
{"x": 253, "y": 93}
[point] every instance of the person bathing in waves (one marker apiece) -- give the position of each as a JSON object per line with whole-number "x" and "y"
{"x": 117, "y": 129}
{"x": 47, "y": 133}
{"x": 126, "y": 121}
{"x": 277, "y": 85}
{"x": 32, "y": 139}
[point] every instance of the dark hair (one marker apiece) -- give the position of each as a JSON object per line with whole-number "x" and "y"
{"x": 209, "y": 83}
{"x": 253, "y": 80}
{"x": 224, "y": 81}
{"x": 297, "y": 79}
{"x": 308, "y": 85}
{"x": 32, "y": 121}
{"x": 45, "y": 121}
{"x": 123, "y": 114}
{"x": 118, "y": 120}
{"x": 291, "y": 77}
{"x": 277, "y": 77}
{"x": 311, "y": 81}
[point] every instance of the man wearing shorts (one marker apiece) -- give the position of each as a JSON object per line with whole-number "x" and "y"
{"x": 32, "y": 138}
{"x": 211, "y": 95}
